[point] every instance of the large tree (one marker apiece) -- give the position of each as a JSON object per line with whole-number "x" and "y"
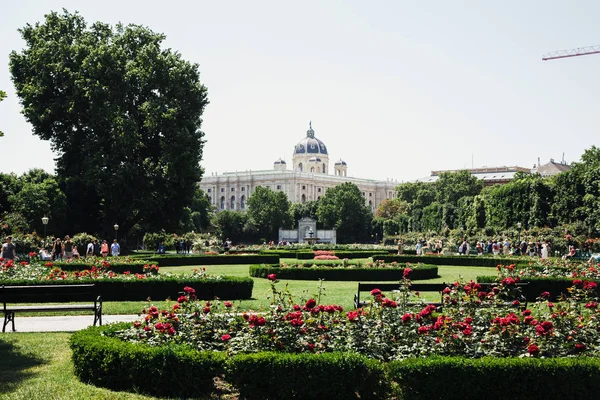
{"x": 123, "y": 115}
{"x": 269, "y": 211}
{"x": 343, "y": 208}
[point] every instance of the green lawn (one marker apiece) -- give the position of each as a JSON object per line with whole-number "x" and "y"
{"x": 38, "y": 366}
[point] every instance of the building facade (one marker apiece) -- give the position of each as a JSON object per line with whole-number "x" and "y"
{"x": 308, "y": 179}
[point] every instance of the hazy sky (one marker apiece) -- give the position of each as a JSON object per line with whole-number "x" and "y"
{"x": 394, "y": 88}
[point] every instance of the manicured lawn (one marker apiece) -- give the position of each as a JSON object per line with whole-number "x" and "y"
{"x": 38, "y": 366}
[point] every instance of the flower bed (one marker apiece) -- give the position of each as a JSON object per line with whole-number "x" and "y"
{"x": 127, "y": 286}
{"x": 331, "y": 270}
{"x": 265, "y": 351}
{"x": 116, "y": 264}
{"x": 554, "y": 278}
{"x": 466, "y": 261}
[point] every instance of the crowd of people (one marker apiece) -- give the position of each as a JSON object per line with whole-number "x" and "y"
{"x": 65, "y": 249}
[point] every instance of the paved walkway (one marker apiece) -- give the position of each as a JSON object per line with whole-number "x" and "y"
{"x": 64, "y": 324}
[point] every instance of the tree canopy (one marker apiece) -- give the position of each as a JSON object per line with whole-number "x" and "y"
{"x": 343, "y": 208}
{"x": 268, "y": 211}
{"x": 123, "y": 115}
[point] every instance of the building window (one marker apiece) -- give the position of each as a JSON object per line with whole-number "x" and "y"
{"x": 208, "y": 190}
{"x": 300, "y": 167}
{"x": 370, "y": 194}
{"x": 243, "y": 189}
{"x": 278, "y": 187}
{"x": 323, "y": 167}
{"x": 222, "y": 202}
{"x": 268, "y": 187}
{"x": 233, "y": 189}
{"x": 232, "y": 202}
{"x": 319, "y": 190}
{"x": 243, "y": 202}
{"x": 222, "y": 190}
{"x": 363, "y": 193}
{"x": 303, "y": 187}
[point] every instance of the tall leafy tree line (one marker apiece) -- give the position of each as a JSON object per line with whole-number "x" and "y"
{"x": 459, "y": 201}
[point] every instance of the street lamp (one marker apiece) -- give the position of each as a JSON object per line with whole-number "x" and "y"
{"x": 116, "y": 226}
{"x": 519, "y": 226}
{"x": 45, "y": 222}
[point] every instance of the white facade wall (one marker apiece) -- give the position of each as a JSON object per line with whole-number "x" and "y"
{"x": 231, "y": 190}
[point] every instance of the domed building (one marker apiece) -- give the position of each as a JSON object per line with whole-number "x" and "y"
{"x": 307, "y": 180}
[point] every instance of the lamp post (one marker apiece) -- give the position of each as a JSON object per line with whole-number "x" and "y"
{"x": 116, "y": 226}
{"x": 45, "y": 222}
{"x": 519, "y": 226}
{"x": 376, "y": 238}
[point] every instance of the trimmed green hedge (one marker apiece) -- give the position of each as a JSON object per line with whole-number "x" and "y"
{"x": 555, "y": 286}
{"x": 217, "y": 259}
{"x": 307, "y": 376}
{"x": 227, "y": 288}
{"x": 180, "y": 371}
{"x": 488, "y": 378}
{"x": 341, "y": 254}
{"x": 464, "y": 261}
{"x": 170, "y": 371}
{"x": 343, "y": 274}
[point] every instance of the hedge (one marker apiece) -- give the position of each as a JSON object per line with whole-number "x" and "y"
{"x": 309, "y": 254}
{"x": 216, "y": 259}
{"x": 537, "y": 285}
{"x": 464, "y": 261}
{"x": 180, "y": 371}
{"x": 488, "y": 378}
{"x": 343, "y": 274}
{"x": 170, "y": 371}
{"x": 227, "y": 287}
{"x": 307, "y": 376}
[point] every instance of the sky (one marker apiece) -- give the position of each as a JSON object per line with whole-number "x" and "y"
{"x": 394, "y": 88}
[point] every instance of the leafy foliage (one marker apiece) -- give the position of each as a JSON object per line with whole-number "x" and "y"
{"x": 343, "y": 208}
{"x": 122, "y": 113}
{"x": 268, "y": 211}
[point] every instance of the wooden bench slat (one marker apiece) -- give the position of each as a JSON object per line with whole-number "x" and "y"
{"x": 72, "y": 307}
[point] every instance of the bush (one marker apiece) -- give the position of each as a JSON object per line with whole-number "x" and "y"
{"x": 344, "y": 274}
{"x": 537, "y": 285}
{"x": 81, "y": 240}
{"x": 307, "y": 376}
{"x": 496, "y": 378}
{"x": 173, "y": 371}
{"x": 216, "y": 259}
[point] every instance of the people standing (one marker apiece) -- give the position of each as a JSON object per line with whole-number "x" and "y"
{"x": 57, "y": 249}
{"x": 104, "y": 249}
{"x": 400, "y": 246}
{"x": 9, "y": 251}
{"x": 68, "y": 247}
{"x": 115, "y": 249}
{"x": 96, "y": 248}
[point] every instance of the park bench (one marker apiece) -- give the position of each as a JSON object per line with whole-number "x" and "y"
{"x": 18, "y": 295}
{"x": 388, "y": 287}
{"x": 427, "y": 287}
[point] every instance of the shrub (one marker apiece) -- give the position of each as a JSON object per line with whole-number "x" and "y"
{"x": 307, "y": 376}
{"x": 173, "y": 371}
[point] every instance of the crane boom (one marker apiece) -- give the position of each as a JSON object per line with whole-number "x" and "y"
{"x": 580, "y": 51}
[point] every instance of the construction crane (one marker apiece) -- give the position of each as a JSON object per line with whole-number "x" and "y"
{"x": 580, "y": 51}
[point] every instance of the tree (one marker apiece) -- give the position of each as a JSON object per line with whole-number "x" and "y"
{"x": 122, "y": 113}
{"x": 343, "y": 208}
{"x": 391, "y": 208}
{"x": 2, "y": 97}
{"x": 36, "y": 199}
{"x": 230, "y": 224}
{"x": 303, "y": 210}
{"x": 269, "y": 211}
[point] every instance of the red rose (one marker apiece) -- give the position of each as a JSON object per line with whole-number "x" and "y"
{"x": 310, "y": 304}
{"x": 228, "y": 304}
{"x": 533, "y": 349}
{"x": 375, "y": 292}
{"x": 189, "y": 290}
{"x": 272, "y": 277}
{"x": 181, "y": 299}
{"x": 225, "y": 337}
{"x": 406, "y": 273}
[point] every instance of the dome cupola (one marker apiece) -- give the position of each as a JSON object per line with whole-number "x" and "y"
{"x": 310, "y": 154}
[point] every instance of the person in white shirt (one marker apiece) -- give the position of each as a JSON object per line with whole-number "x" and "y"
{"x": 115, "y": 248}
{"x": 90, "y": 249}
